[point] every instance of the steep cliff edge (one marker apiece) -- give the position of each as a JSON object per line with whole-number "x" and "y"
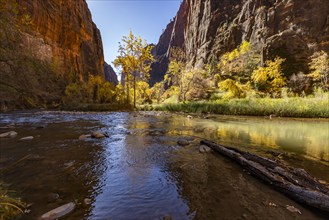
{"x": 44, "y": 46}
{"x": 292, "y": 29}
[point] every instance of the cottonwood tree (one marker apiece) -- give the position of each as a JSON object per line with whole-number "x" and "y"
{"x": 320, "y": 69}
{"x": 134, "y": 60}
{"x": 177, "y": 74}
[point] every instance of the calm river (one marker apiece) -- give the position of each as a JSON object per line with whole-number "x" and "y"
{"x": 139, "y": 171}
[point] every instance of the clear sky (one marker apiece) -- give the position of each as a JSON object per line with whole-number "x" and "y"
{"x": 115, "y": 18}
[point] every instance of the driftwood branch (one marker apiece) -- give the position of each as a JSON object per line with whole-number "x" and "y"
{"x": 295, "y": 183}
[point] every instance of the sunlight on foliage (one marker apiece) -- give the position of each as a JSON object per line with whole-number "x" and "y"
{"x": 319, "y": 66}
{"x": 234, "y": 89}
{"x": 134, "y": 61}
{"x": 270, "y": 79}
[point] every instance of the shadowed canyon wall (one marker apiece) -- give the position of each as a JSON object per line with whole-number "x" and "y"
{"x": 44, "y": 46}
{"x": 292, "y": 29}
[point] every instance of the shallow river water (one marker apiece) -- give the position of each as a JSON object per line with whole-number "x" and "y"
{"x": 139, "y": 171}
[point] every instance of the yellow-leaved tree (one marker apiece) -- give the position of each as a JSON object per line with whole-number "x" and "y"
{"x": 319, "y": 66}
{"x": 234, "y": 89}
{"x": 134, "y": 60}
{"x": 269, "y": 79}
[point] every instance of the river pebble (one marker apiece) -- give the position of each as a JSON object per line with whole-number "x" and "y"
{"x": 59, "y": 212}
{"x": 28, "y": 138}
{"x": 204, "y": 149}
{"x": 9, "y": 134}
{"x": 292, "y": 209}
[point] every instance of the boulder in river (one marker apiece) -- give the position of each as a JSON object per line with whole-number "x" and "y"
{"x": 59, "y": 212}
{"x": 9, "y": 134}
{"x": 28, "y": 138}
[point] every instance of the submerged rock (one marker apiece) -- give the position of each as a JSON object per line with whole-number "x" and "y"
{"x": 28, "y": 138}
{"x": 9, "y": 134}
{"x": 84, "y": 136}
{"x": 183, "y": 142}
{"x": 204, "y": 149}
{"x": 59, "y": 212}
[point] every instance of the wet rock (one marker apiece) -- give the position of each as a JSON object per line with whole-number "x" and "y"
{"x": 204, "y": 149}
{"x": 9, "y": 134}
{"x": 98, "y": 135}
{"x": 293, "y": 209}
{"x": 69, "y": 164}
{"x": 323, "y": 182}
{"x": 84, "y": 136}
{"x": 272, "y": 204}
{"x": 28, "y": 138}
{"x": 87, "y": 201}
{"x": 58, "y": 212}
{"x": 183, "y": 142}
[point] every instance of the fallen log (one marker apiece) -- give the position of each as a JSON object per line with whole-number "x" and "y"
{"x": 295, "y": 183}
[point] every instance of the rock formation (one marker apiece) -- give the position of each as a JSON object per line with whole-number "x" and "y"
{"x": 110, "y": 74}
{"x": 44, "y": 46}
{"x": 292, "y": 29}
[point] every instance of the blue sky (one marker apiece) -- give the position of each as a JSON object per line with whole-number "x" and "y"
{"x": 115, "y": 18}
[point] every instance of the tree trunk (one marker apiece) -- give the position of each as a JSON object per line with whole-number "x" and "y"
{"x": 134, "y": 90}
{"x": 295, "y": 183}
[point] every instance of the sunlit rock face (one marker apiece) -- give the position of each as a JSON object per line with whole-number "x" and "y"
{"x": 67, "y": 27}
{"x": 292, "y": 29}
{"x": 110, "y": 74}
{"x": 57, "y": 36}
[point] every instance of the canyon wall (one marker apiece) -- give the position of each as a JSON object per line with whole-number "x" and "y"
{"x": 292, "y": 29}
{"x": 110, "y": 74}
{"x": 44, "y": 46}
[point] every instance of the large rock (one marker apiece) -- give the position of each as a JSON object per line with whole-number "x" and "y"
{"x": 292, "y": 29}
{"x": 45, "y": 46}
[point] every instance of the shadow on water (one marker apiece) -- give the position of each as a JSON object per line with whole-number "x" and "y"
{"x": 139, "y": 172}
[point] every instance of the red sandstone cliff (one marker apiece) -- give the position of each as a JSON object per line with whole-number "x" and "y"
{"x": 44, "y": 46}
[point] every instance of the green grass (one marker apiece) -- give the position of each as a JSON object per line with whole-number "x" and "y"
{"x": 310, "y": 107}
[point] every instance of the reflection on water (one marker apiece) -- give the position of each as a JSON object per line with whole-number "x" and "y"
{"x": 139, "y": 172}
{"x": 305, "y": 137}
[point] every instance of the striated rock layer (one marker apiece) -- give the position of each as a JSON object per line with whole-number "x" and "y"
{"x": 292, "y": 29}
{"x": 44, "y": 46}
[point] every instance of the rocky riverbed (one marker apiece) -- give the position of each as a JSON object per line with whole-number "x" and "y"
{"x": 151, "y": 166}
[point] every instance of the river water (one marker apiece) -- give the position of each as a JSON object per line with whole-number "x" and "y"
{"x": 139, "y": 171}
